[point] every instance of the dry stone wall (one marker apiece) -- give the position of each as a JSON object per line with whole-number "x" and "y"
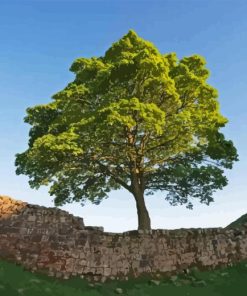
{"x": 52, "y": 241}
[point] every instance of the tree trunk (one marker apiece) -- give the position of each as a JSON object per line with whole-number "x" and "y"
{"x": 137, "y": 184}
{"x": 143, "y": 216}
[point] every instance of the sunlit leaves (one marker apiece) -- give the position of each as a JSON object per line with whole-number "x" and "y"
{"x": 132, "y": 106}
{"x": 148, "y": 115}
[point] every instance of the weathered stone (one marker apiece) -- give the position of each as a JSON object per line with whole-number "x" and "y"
{"x": 119, "y": 291}
{"x": 200, "y": 283}
{"x": 155, "y": 282}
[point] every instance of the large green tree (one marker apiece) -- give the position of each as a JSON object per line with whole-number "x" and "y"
{"x": 134, "y": 118}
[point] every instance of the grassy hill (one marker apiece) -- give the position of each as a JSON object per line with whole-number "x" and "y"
{"x": 238, "y": 223}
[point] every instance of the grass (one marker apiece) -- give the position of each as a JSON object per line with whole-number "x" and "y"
{"x": 238, "y": 223}
{"x": 16, "y": 281}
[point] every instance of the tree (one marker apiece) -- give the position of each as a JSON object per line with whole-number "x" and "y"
{"x": 134, "y": 118}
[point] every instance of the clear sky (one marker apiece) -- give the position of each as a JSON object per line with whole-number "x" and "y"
{"x": 39, "y": 41}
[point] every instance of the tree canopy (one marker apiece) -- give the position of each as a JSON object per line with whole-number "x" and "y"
{"x": 134, "y": 119}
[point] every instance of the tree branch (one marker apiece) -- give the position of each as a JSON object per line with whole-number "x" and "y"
{"x": 117, "y": 179}
{"x": 212, "y": 162}
{"x": 162, "y": 144}
{"x": 112, "y": 143}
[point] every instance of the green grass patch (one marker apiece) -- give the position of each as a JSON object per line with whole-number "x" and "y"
{"x": 16, "y": 281}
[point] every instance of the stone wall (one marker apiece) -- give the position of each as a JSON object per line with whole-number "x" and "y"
{"x": 55, "y": 242}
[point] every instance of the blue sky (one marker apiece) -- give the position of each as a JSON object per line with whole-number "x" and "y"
{"x": 41, "y": 39}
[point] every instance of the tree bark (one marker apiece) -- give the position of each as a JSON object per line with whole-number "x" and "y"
{"x": 142, "y": 213}
{"x": 137, "y": 184}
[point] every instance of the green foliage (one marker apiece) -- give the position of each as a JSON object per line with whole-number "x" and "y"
{"x": 132, "y": 111}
